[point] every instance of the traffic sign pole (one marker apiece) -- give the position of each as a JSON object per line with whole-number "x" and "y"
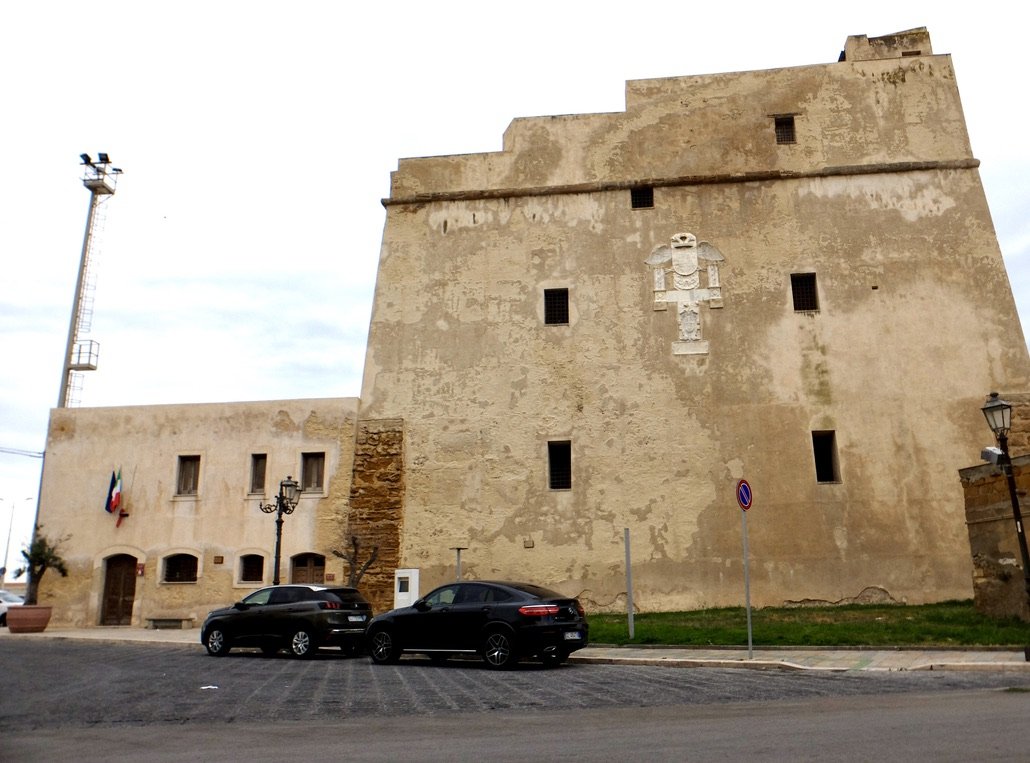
{"x": 629, "y": 584}
{"x": 747, "y": 582}
{"x": 744, "y": 499}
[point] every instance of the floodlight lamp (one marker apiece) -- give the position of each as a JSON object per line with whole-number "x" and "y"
{"x": 992, "y": 455}
{"x": 85, "y": 159}
{"x": 103, "y": 158}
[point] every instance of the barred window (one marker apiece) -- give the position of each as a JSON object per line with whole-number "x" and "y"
{"x": 785, "y": 129}
{"x": 559, "y": 462}
{"x": 802, "y": 286}
{"x": 180, "y": 568}
{"x": 556, "y": 307}
{"x": 641, "y": 197}
{"x": 252, "y": 568}
{"x": 824, "y": 448}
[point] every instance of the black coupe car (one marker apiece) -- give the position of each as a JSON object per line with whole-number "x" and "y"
{"x": 500, "y": 621}
{"x": 299, "y": 618}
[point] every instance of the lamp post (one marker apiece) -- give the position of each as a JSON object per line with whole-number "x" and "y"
{"x": 999, "y": 418}
{"x": 7, "y": 544}
{"x": 285, "y": 503}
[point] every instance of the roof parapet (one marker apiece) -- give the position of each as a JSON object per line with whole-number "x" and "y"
{"x": 912, "y": 42}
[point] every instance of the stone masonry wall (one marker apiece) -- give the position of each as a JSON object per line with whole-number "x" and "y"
{"x": 377, "y": 493}
{"x": 998, "y": 587}
{"x": 1019, "y": 436}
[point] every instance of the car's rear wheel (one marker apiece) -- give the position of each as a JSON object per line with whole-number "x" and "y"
{"x": 499, "y": 650}
{"x": 217, "y": 642}
{"x": 302, "y": 643}
{"x": 383, "y": 647}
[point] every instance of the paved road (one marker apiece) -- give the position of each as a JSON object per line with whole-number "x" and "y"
{"x": 74, "y": 699}
{"x": 941, "y": 727}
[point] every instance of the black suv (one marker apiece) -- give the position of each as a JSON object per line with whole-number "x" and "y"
{"x": 500, "y": 621}
{"x": 300, "y": 618}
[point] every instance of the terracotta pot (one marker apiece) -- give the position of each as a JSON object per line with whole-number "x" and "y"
{"x": 28, "y": 618}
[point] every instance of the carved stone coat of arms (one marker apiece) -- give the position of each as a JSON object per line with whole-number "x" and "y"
{"x": 682, "y": 262}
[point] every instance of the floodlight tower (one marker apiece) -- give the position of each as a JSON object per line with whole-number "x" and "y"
{"x": 81, "y": 354}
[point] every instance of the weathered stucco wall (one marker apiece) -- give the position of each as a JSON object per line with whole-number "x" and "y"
{"x": 879, "y": 197}
{"x": 223, "y": 520}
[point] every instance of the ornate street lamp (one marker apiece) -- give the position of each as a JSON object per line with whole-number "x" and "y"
{"x": 285, "y": 503}
{"x": 999, "y": 418}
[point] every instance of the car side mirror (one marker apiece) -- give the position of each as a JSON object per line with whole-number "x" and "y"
{"x": 240, "y": 606}
{"x": 422, "y": 605}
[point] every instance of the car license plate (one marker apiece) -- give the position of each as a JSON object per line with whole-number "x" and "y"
{"x": 356, "y": 618}
{"x": 573, "y": 635}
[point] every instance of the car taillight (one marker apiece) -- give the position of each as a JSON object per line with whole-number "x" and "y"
{"x": 579, "y": 608}
{"x": 538, "y": 610}
{"x": 329, "y": 605}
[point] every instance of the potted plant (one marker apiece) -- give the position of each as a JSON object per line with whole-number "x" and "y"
{"x": 40, "y": 555}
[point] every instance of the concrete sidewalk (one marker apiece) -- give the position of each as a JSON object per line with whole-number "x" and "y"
{"x": 673, "y": 657}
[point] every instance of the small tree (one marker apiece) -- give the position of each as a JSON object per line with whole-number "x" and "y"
{"x": 40, "y": 555}
{"x": 355, "y": 573}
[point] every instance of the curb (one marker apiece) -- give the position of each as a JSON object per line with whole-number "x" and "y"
{"x": 784, "y": 665}
{"x": 677, "y": 662}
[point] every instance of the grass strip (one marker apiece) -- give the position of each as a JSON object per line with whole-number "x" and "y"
{"x": 944, "y": 624}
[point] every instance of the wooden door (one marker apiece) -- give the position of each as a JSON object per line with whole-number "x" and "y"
{"x": 307, "y": 568}
{"x": 119, "y": 590}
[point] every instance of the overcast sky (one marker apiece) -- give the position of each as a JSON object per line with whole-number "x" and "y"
{"x": 257, "y": 139}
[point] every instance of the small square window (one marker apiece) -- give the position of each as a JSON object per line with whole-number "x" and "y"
{"x": 824, "y": 448}
{"x": 641, "y": 197}
{"x": 258, "y": 464}
{"x": 556, "y": 307}
{"x": 312, "y": 471}
{"x": 559, "y": 462}
{"x": 785, "y": 129}
{"x": 802, "y": 287}
{"x": 189, "y": 475}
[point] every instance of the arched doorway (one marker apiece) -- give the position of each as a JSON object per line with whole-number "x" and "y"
{"x": 307, "y": 568}
{"x": 119, "y": 590}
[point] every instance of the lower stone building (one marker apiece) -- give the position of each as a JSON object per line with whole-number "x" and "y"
{"x": 188, "y": 534}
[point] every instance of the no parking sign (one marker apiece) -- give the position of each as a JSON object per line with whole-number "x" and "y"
{"x": 744, "y": 495}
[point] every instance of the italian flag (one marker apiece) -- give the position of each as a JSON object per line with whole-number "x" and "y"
{"x": 114, "y": 493}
